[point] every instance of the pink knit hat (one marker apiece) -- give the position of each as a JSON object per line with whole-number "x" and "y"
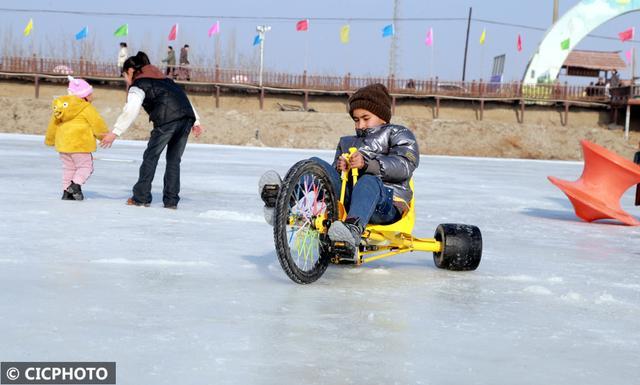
{"x": 79, "y": 87}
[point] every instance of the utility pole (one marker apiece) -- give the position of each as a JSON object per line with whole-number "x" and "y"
{"x": 466, "y": 46}
{"x": 555, "y": 11}
{"x": 393, "y": 51}
{"x": 262, "y": 30}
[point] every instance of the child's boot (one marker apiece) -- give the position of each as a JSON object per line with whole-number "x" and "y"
{"x": 76, "y": 191}
{"x": 268, "y": 188}
{"x": 66, "y": 196}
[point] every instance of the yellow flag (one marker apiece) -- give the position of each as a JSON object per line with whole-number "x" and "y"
{"x": 344, "y": 34}
{"x": 28, "y": 28}
{"x": 483, "y": 36}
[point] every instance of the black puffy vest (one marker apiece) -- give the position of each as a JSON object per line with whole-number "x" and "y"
{"x": 164, "y": 100}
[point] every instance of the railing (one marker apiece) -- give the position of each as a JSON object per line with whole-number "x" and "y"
{"x": 556, "y": 92}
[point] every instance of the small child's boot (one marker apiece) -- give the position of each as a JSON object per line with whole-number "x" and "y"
{"x": 76, "y": 191}
{"x": 66, "y": 196}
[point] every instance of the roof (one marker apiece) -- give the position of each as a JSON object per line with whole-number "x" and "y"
{"x": 596, "y": 60}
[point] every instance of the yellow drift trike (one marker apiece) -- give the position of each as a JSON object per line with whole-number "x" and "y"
{"x": 307, "y": 204}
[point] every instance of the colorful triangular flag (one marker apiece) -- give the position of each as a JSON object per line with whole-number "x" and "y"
{"x": 388, "y": 30}
{"x": 519, "y": 44}
{"x": 82, "y": 34}
{"x": 215, "y": 28}
{"x": 429, "y": 39}
{"x": 565, "y": 44}
{"x": 122, "y": 30}
{"x": 627, "y": 34}
{"x": 28, "y": 28}
{"x": 302, "y": 25}
{"x": 257, "y": 40}
{"x": 344, "y": 34}
{"x": 173, "y": 34}
{"x": 483, "y": 37}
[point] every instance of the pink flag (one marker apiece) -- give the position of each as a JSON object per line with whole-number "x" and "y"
{"x": 174, "y": 32}
{"x": 519, "y": 43}
{"x": 214, "y": 28}
{"x": 302, "y": 25}
{"x": 628, "y": 55}
{"x": 429, "y": 39}
{"x": 627, "y": 34}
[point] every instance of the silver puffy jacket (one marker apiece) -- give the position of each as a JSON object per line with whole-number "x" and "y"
{"x": 390, "y": 151}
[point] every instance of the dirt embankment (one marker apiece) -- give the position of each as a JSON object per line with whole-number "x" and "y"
{"x": 457, "y": 130}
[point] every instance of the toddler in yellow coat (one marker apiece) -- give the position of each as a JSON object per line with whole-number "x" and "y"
{"x": 73, "y": 129}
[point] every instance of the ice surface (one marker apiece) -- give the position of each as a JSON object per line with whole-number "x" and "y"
{"x": 196, "y": 295}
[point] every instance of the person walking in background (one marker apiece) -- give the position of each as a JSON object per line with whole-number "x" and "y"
{"x": 171, "y": 62}
{"x": 184, "y": 62}
{"x": 123, "y": 54}
{"x": 615, "y": 79}
{"x": 73, "y": 129}
{"x": 173, "y": 119}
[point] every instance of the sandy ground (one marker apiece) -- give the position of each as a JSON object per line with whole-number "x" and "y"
{"x": 456, "y": 131}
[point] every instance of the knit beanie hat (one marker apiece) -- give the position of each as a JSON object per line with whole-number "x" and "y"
{"x": 79, "y": 87}
{"x": 374, "y": 98}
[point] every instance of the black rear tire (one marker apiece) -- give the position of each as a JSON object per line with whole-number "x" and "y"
{"x": 305, "y": 194}
{"x": 461, "y": 247}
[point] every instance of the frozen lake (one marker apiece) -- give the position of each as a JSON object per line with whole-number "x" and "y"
{"x": 196, "y": 296}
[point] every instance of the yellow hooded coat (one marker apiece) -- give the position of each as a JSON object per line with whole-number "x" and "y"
{"x": 75, "y": 125}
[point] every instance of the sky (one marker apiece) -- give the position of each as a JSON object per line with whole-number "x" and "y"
{"x": 318, "y": 50}
{"x": 197, "y": 296}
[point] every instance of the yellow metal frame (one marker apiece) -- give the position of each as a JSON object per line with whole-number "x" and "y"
{"x": 384, "y": 241}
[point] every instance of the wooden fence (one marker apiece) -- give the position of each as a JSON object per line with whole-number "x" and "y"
{"x": 435, "y": 88}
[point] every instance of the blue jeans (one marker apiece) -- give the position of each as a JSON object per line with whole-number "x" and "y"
{"x": 174, "y": 137}
{"x": 370, "y": 201}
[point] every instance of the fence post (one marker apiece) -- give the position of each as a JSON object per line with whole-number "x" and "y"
{"x": 217, "y": 76}
{"x": 391, "y": 82}
{"x": 305, "y": 100}
{"x": 347, "y": 81}
{"x": 36, "y": 78}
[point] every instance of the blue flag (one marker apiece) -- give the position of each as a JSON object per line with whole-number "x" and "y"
{"x": 82, "y": 34}
{"x": 387, "y": 30}
{"x": 257, "y": 40}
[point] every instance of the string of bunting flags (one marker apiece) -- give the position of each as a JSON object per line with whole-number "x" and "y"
{"x": 344, "y": 34}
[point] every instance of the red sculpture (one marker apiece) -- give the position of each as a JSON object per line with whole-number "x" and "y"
{"x": 606, "y": 176}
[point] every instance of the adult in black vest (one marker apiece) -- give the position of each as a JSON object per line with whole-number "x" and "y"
{"x": 173, "y": 119}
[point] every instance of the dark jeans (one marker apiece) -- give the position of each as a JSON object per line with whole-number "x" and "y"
{"x": 369, "y": 200}
{"x": 174, "y": 137}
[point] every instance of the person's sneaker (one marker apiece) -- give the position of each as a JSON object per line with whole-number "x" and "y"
{"x": 268, "y": 188}
{"x": 66, "y": 196}
{"x": 76, "y": 191}
{"x": 133, "y": 202}
{"x": 347, "y": 234}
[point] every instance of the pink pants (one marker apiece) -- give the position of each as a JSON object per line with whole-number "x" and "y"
{"x": 76, "y": 167}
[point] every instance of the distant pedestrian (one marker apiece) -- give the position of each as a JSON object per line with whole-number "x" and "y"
{"x": 123, "y": 54}
{"x": 184, "y": 62}
{"x": 615, "y": 79}
{"x": 173, "y": 119}
{"x": 171, "y": 62}
{"x": 73, "y": 129}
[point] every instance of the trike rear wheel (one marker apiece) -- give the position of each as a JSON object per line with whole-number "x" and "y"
{"x": 461, "y": 247}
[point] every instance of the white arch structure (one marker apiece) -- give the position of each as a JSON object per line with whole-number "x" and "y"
{"x": 574, "y": 25}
